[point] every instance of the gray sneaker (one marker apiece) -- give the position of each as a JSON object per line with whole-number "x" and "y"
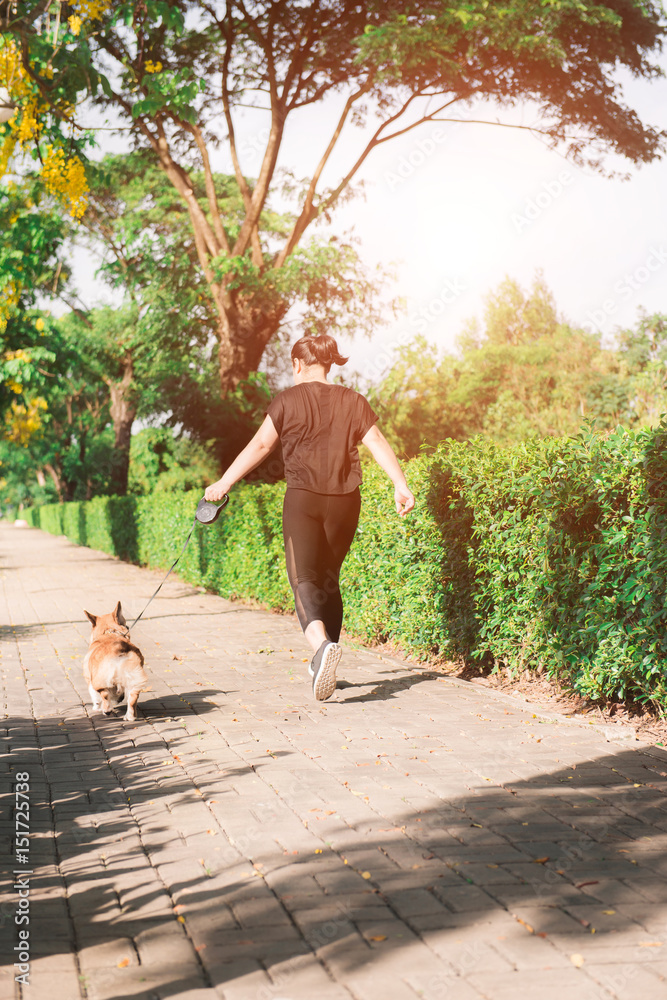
{"x": 323, "y": 669}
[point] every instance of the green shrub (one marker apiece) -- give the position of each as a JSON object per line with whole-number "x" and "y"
{"x": 549, "y": 555}
{"x": 567, "y": 556}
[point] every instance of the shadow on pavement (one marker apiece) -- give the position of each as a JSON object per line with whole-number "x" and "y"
{"x": 9, "y": 632}
{"x": 151, "y": 850}
{"x": 382, "y": 690}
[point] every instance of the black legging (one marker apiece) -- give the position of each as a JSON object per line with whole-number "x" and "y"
{"x": 318, "y": 530}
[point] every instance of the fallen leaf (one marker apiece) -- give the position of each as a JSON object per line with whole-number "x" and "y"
{"x": 478, "y": 825}
{"x": 123, "y": 964}
{"x": 650, "y": 944}
{"x": 524, "y": 924}
{"x": 318, "y": 850}
{"x": 609, "y": 912}
{"x": 539, "y": 861}
{"x": 366, "y": 875}
{"x": 577, "y": 960}
{"x": 379, "y": 937}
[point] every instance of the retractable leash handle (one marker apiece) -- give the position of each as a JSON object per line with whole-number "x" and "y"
{"x": 206, "y": 513}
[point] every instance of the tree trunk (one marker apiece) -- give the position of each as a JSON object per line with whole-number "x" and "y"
{"x": 57, "y": 482}
{"x": 244, "y": 330}
{"x": 123, "y": 412}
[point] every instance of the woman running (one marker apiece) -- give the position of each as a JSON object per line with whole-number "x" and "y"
{"x": 319, "y": 424}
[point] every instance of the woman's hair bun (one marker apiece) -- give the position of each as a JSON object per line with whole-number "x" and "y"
{"x": 318, "y": 350}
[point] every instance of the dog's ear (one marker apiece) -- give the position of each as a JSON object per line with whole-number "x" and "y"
{"x": 91, "y": 618}
{"x": 118, "y": 615}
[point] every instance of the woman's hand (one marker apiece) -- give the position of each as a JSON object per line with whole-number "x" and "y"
{"x": 405, "y": 500}
{"x": 216, "y": 491}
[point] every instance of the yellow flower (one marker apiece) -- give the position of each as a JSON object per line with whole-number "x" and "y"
{"x": 25, "y": 123}
{"x": 39, "y": 325}
{"x": 152, "y": 67}
{"x": 92, "y": 10}
{"x": 75, "y": 23}
{"x": 6, "y": 153}
{"x": 22, "y": 422}
{"x": 65, "y": 178}
{"x": 9, "y": 297}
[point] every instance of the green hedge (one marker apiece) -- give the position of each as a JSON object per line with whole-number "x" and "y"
{"x": 549, "y": 555}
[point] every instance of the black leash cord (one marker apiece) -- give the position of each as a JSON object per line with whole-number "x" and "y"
{"x": 170, "y": 569}
{"x": 207, "y": 513}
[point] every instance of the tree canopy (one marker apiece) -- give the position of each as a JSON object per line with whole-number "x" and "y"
{"x": 170, "y": 72}
{"x": 523, "y": 372}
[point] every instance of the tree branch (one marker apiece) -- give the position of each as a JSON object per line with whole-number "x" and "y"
{"x": 267, "y": 169}
{"x": 64, "y": 297}
{"x": 308, "y": 212}
{"x": 304, "y": 220}
{"x": 210, "y": 188}
{"x": 300, "y": 52}
{"x": 228, "y": 35}
{"x": 378, "y": 139}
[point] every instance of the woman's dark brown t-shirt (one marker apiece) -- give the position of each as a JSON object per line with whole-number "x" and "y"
{"x": 320, "y": 425}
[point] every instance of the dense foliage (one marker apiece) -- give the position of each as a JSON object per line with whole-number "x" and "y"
{"x": 155, "y": 355}
{"x": 523, "y": 372}
{"x": 550, "y": 555}
{"x": 171, "y": 72}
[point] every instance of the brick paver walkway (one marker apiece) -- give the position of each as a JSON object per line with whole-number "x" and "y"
{"x": 416, "y": 836}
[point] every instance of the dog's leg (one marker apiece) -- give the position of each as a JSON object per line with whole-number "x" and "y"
{"x": 97, "y": 701}
{"x": 132, "y": 699}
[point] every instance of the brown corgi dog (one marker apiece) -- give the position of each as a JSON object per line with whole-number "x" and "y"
{"x": 113, "y": 667}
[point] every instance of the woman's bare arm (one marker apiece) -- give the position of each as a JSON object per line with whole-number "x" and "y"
{"x": 385, "y": 457}
{"x": 254, "y": 452}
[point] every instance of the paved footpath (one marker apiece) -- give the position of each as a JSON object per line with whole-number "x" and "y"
{"x": 415, "y": 836}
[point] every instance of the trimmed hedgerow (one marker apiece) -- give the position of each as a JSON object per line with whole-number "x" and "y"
{"x": 549, "y": 555}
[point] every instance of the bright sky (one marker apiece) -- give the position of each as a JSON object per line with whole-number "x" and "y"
{"x": 457, "y": 207}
